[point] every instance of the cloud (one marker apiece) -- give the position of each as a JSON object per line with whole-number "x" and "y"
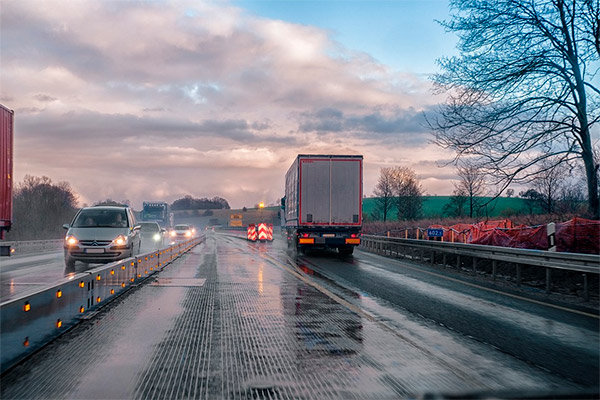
{"x": 405, "y": 126}
{"x": 195, "y": 97}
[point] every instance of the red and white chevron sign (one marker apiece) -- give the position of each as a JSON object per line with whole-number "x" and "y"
{"x": 263, "y": 231}
{"x": 252, "y": 232}
{"x": 270, "y": 232}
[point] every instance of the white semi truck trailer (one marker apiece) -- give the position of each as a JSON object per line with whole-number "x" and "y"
{"x": 323, "y": 202}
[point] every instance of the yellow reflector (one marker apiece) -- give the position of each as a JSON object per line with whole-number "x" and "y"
{"x": 131, "y": 279}
{"x": 26, "y": 342}
{"x": 27, "y": 306}
{"x": 353, "y": 241}
{"x": 98, "y": 277}
{"x": 123, "y": 284}
{"x": 152, "y": 256}
{"x": 132, "y": 263}
{"x": 59, "y": 294}
{"x": 139, "y": 261}
{"x": 112, "y": 291}
{"x": 139, "y": 275}
{"x": 58, "y": 323}
{"x": 98, "y": 299}
{"x": 146, "y": 271}
{"x": 151, "y": 269}
{"x": 123, "y": 267}
{"x": 81, "y": 309}
{"x": 306, "y": 240}
{"x": 146, "y": 258}
{"x": 81, "y": 284}
{"x": 112, "y": 271}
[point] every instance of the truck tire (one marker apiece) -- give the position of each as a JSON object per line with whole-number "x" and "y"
{"x": 346, "y": 251}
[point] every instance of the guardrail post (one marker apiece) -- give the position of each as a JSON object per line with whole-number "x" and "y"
{"x": 548, "y": 278}
{"x": 432, "y": 257}
{"x": 422, "y": 252}
{"x": 586, "y": 289}
{"x": 444, "y": 260}
{"x": 518, "y": 274}
{"x": 458, "y": 262}
{"x": 494, "y": 264}
{"x": 474, "y": 265}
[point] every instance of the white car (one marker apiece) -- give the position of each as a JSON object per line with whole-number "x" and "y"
{"x": 101, "y": 234}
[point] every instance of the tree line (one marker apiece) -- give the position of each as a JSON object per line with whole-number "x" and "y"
{"x": 41, "y": 207}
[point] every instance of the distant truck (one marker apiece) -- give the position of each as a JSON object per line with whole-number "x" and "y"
{"x": 6, "y": 174}
{"x": 323, "y": 202}
{"x": 157, "y": 211}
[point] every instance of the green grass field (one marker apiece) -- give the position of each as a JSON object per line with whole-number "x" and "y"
{"x": 433, "y": 206}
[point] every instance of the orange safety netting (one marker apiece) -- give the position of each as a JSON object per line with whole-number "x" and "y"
{"x": 576, "y": 236}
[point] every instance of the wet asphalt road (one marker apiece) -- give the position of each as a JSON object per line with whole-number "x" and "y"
{"x": 564, "y": 342}
{"x": 233, "y": 319}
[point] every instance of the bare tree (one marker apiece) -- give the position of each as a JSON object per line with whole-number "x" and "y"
{"x": 510, "y": 192}
{"x": 473, "y": 185}
{"x": 408, "y": 193}
{"x": 384, "y": 192}
{"x": 548, "y": 182}
{"x": 41, "y": 207}
{"x": 522, "y": 90}
{"x": 456, "y": 207}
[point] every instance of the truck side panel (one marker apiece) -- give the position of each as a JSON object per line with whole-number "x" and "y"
{"x": 6, "y": 167}
{"x": 291, "y": 195}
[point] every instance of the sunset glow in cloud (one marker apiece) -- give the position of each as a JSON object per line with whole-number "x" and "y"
{"x": 153, "y": 100}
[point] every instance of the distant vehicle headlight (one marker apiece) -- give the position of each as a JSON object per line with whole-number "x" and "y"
{"x": 71, "y": 240}
{"x": 156, "y": 237}
{"x": 188, "y": 233}
{"x": 120, "y": 240}
{"x": 173, "y": 233}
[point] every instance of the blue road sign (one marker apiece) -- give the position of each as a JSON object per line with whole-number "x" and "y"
{"x": 436, "y": 232}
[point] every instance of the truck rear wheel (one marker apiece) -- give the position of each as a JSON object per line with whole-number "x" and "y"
{"x": 346, "y": 251}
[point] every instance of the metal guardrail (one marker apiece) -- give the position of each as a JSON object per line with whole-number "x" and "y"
{"x": 427, "y": 249}
{"x": 32, "y": 320}
{"x": 33, "y": 246}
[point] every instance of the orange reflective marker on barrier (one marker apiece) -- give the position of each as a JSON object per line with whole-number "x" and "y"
{"x": 81, "y": 284}
{"x": 132, "y": 263}
{"x": 146, "y": 271}
{"x": 132, "y": 279}
{"x": 58, "y": 323}
{"x": 59, "y": 294}
{"x": 26, "y": 342}
{"x": 27, "y": 306}
{"x": 139, "y": 275}
{"x": 112, "y": 291}
{"x": 98, "y": 277}
{"x": 112, "y": 271}
{"x": 81, "y": 309}
{"x": 98, "y": 299}
{"x": 123, "y": 267}
{"x": 123, "y": 284}
{"x": 146, "y": 258}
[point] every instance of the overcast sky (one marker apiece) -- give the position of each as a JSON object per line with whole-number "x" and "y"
{"x": 153, "y": 100}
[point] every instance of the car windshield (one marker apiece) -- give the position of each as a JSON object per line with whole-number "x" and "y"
{"x": 149, "y": 227}
{"x": 101, "y": 219}
{"x": 181, "y": 227}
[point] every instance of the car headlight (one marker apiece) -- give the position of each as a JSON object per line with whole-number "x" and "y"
{"x": 120, "y": 240}
{"x": 188, "y": 233}
{"x": 173, "y": 233}
{"x": 156, "y": 237}
{"x": 71, "y": 240}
